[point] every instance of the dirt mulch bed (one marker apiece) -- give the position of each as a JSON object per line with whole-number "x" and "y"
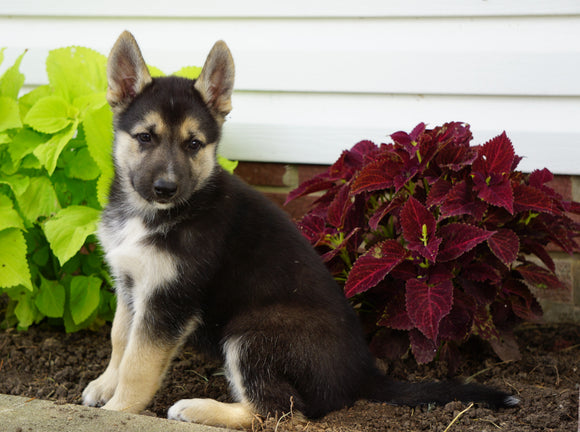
{"x": 46, "y": 364}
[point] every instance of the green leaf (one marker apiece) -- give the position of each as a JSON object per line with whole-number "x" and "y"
{"x": 68, "y": 229}
{"x": 49, "y": 152}
{"x": 90, "y": 102}
{"x": 227, "y": 164}
{"x": 76, "y": 71}
{"x": 9, "y": 114}
{"x": 24, "y": 143}
{"x": 99, "y": 136}
{"x": 85, "y": 296}
{"x": 38, "y": 200}
{"x": 2, "y": 54}
{"x": 155, "y": 72}
{"x": 28, "y": 100}
{"x": 17, "y": 182}
{"x": 191, "y": 72}
{"x": 50, "y": 299}
{"x": 50, "y": 115}
{"x": 25, "y": 311}
{"x": 12, "y": 80}
{"x": 13, "y": 264}
{"x": 82, "y": 166}
{"x": 9, "y": 218}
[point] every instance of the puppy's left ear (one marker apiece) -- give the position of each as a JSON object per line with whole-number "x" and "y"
{"x": 216, "y": 81}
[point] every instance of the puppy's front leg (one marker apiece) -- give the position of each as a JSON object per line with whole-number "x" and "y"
{"x": 141, "y": 371}
{"x": 99, "y": 391}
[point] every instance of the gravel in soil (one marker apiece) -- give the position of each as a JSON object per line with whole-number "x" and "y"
{"x": 46, "y": 364}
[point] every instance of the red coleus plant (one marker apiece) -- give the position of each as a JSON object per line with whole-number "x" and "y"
{"x": 432, "y": 238}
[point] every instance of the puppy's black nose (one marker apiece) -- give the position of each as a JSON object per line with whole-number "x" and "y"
{"x": 164, "y": 188}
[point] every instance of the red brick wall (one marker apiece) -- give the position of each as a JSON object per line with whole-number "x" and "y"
{"x": 277, "y": 180}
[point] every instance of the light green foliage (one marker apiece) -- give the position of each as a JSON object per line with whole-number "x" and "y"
{"x": 55, "y": 172}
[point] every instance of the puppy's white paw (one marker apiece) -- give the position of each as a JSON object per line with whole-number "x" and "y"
{"x": 211, "y": 412}
{"x": 100, "y": 391}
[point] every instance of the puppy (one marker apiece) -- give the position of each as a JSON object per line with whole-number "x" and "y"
{"x": 198, "y": 255}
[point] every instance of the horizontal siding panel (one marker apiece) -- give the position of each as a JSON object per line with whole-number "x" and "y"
{"x": 316, "y": 128}
{"x": 309, "y": 88}
{"x": 296, "y": 8}
{"x": 530, "y": 56}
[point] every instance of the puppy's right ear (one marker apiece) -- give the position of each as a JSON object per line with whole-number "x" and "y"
{"x": 127, "y": 72}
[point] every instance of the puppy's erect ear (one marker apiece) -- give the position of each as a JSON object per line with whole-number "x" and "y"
{"x": 216, "y": 82}
{"x": 127, "y": 72}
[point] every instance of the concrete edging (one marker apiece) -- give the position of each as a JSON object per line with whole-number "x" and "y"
{"x": 20, "y": 414}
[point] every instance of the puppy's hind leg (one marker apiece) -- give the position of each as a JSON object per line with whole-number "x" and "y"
{"x": 211, "y": 412}
{"x": 214, "y": 413}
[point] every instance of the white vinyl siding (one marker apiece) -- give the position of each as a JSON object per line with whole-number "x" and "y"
{"x": 313, "y": 78}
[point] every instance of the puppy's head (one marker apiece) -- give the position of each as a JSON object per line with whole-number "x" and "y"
{"x": 166, "y": 129}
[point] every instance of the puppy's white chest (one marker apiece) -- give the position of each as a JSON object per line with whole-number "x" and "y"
{"x": 129, "y": 253}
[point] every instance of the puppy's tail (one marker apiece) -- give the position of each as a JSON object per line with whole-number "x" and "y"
{"x": 383, "y": 389}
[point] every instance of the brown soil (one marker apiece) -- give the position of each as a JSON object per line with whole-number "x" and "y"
{"x": 45, "y": 364}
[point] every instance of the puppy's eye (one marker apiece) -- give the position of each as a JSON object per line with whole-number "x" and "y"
{"x": 193, "y": 145}
{"x": 144, "y": 138}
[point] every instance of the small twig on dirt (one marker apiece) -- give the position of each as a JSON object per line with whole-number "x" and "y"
{"x": 472, "y": 377}
{"x": 570, "y": 348}
{"x": 1, "y": 364}
{"x": 489, "y": 421}
{"x": 288, "y": 414}
{"x": 458, "y": 416}
{"x": 206, "y": 379}
{"x": 557, "y": 374}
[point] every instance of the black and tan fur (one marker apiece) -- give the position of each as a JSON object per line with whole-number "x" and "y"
{"x": 199, "y": 255}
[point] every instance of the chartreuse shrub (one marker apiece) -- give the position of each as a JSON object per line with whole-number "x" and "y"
{"x": 436, "y": 240}
{"x": 55, "y": 170}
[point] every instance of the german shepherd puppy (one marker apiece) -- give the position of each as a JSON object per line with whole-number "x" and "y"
{"x": 198, "y": 255}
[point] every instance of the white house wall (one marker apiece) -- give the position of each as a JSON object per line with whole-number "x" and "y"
{"x": 315, "y": 78}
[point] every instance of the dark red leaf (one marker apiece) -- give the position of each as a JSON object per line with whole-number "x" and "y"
{"x": 539, "y": 276}
{"x": 539, "y": 177}
{"x": 350, "y": 161}
{"x": 428, "y": 303}
{"x": 363, "y": 149}
{"x": 395, "y": 313}
{"x": 494, "y": 189}
{"x": 531, "y": 198}
{"x": 409, "y": 141}
{"x": 459, "y": 238}
{"x": 372, "y": 267}
{"x": 404, "y": 271}
{"x": 523, "y": 302}
{"x": 312, "y": 227}
{"x": 339, "y": 206}
{"x": 456, "y": 157}
{"x": 457, "y": 324}
{"x": 480, "y": 272}
{"x": 530, "y": 246}
{"x": 378, "y": 174}
{"x": 384, "y": 209}
{"x": 419, "y": 229}
{"x": 423, "y": 349}
{"x": 483, "y": 324}
{"x": 315, "y": 184}
{"x": 462, "y": 200}
{"x": 505, "y": 245}
{"x": 438, "y": 192}
{"x": 483, "y": 293}
{"x": 495, "y": 156}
